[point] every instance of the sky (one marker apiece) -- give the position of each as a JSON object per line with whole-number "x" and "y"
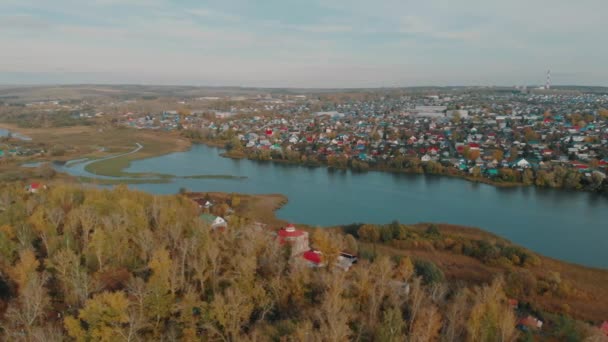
{"x": 304, "y": 43}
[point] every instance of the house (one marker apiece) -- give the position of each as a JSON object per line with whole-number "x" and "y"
{"x": 35, "y": 187}
{"x": 522, "y": 163}
{"x": 219, "y": 223}
{"x": 604, "y": 328}
{"x": 530, "y": 322}
{"x": 297, "y": 239}
{"x": 345, "y": 261}
{"x": 215, "y": 222}
{"x": 313, "y": 259}
{"x": 513, "y": 303}
{"x": 425, "y": 158}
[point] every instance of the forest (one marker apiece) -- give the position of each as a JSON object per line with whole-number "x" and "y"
{"x": 86, "y": 264}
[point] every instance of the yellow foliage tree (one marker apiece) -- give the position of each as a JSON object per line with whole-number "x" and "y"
{"x": 105, "y": 316}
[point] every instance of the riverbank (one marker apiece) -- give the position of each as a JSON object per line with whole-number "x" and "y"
{"x": 586, "y": 295}
{"x": 108, "y": 150}
{"x": 237, "y": 155}
{"x": 98, "y": 142}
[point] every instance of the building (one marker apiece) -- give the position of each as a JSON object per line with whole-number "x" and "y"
{"x": 530, "y": 322}
{"x": 35, "y": 187}
{"x": 297, "y": 239}
{"x": 430, "y": 111}
{"x": 215, "y": 222}
{"x": 604, "y": 328}
{"x": 313, "y": 258}
{"x": 463, "y": 114}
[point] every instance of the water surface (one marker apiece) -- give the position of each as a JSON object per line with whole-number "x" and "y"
{"x": 571, "y": 226}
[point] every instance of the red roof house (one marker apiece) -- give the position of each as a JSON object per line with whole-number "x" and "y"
{"x": 530, "y": 322}
{"x": 34, "y": 188}
{"x": 297, "y": 239}
{"x": 313, "y": 258}
{"x": 604, "y": 328}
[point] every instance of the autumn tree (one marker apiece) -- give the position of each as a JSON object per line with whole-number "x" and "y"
{"x": 104, "y": 318}
{"x": 368, "y": 232}
{"x": 393, "y": 326}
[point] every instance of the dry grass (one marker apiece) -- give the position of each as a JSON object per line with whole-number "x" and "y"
{"x": 591, "y": 305}
{"x": 88, "y": 141}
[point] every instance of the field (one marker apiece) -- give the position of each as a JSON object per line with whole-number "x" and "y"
{"x": 69, "y": 143}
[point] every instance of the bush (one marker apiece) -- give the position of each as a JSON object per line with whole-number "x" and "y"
{"x": 429, "y": 272}
{"x": 433, "y": 231}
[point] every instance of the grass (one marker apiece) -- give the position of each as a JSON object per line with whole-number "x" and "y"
{"x": 592, "y": 305}
{"x": 149, "y": 179}
{"x": 213, "y": 177}
{"x": 85, "y": 141}
{"x": 104, "y": 181}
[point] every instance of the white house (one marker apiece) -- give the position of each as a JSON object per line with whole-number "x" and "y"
{"x": 219, "y": 223}
{"x": 522, "y": 163}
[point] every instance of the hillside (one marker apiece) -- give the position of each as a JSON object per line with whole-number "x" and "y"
{"x": 86, "y": 264}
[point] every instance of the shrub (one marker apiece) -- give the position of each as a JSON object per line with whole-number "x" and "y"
{"x": 433, "y": 231}
{"x": 429, "y": 272}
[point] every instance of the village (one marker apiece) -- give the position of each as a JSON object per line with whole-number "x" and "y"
{"x": 553, "y": 140}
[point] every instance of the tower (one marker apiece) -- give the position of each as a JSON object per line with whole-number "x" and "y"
{"x": 548, "y": 84}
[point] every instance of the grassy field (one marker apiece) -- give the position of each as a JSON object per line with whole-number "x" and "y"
{"x": 96, "y": 142}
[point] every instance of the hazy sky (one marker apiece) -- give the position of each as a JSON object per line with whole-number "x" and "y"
{"x": 304, "y": 43}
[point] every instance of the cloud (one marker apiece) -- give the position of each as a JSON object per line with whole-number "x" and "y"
{"x": 23, "y": 22}
{"x": 320, "y": 42}
{"x": 213, "y": 14}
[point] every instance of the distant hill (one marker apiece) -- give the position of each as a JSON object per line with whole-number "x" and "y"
{"x": 22, "y": 94}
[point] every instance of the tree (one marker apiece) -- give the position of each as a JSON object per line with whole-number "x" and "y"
{"x": 229, "y": 312}
{"x": 334, "y": 311}
{"x": 491, "y": 319}
{"x": 514, "y": 154}
{"x": 498, "y": 155}
{"x": 46, "y": 171}
{"x": 351, "y": 244}
{"x": 72, "y": 276}
{"x": 369, "y": 233}
{"x": 159, "y": 295}
{"x": 426, "y": 327}
{"x": 105, "y": 318}
{"x": 404, "y": 269}
{"x": 328, "y": 244}
{"x": 433, "y": 231}
{"x": 235, "y": 200}
{"x": 28, "y": 310}
{"x": 473, "y": 155}
{"x": 428, "y": 271}
{"x": 392, "y": 328}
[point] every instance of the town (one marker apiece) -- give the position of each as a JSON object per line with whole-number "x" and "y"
{"x": 557, "y": 140}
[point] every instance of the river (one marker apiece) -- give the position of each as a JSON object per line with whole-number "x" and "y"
{"x": 571, "y": 226}
{"x": 6, "y": 133}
